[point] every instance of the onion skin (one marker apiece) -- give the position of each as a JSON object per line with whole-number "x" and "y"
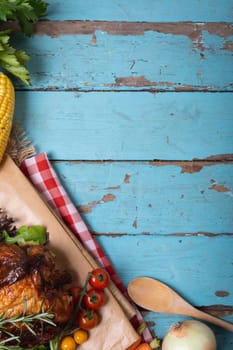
{"x": 189, "y": 335}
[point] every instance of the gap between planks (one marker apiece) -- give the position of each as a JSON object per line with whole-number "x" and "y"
{"x": 190, "y": 166}
{"x": 72, "y": 27}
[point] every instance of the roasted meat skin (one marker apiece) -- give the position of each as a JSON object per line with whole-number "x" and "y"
{"x": 28, "y": 292}
{"x": 13, "y": 264}
{"x": 42, "y": 334}
{"x": 42, "y": 259}
{"x": 39, "y": 287}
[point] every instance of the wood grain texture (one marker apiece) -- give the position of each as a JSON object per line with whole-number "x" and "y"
{"x": 132, "y": 101}
{"x": 146, "y": 10}
{"x": 194, "y": 266}
{"x": 130, "y": 56}
{"x": 176, "y": 260}
{"x": 144, "y": 198}
{"x": 127, "y": 126}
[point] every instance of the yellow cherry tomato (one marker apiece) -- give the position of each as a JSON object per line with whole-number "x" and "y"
{"x": 80, "y": 336}
{"x": 68, "y": 343}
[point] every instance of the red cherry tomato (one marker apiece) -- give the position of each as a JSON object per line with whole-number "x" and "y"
{"x": 88, "y": 319}
{"x": 93, "y": 299}
{"x": 76, "y": 292}
{"x": 99, "y": 278}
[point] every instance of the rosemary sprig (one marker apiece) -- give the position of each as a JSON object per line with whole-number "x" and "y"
{"x": 3, "y": 343}
{"x": 27, "y": 320}
{"x": 22, "y": 320}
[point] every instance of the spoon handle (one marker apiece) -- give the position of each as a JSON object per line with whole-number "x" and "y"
{"x": 212, "y": 319}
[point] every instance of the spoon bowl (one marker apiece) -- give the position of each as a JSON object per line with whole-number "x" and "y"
{"x": 154, "y": 295}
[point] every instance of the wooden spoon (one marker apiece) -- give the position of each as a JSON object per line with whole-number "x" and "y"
{"x": 156, "y": 296}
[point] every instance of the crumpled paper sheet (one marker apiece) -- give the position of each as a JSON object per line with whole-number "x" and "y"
{"x": 22, "y": 202}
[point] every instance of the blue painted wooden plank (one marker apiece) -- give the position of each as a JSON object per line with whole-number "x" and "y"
{"x": 137, "y": 197}
{"x": 130, "y": 125}
{"x": 162, "y": 61}
{"x": 146, "y": 10}
{"x": 198, "y": 268}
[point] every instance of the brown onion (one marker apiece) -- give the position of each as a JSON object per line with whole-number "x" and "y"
{"x": 189, "y": 335}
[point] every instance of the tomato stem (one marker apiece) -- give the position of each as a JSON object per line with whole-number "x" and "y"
{"x": 83, "y": 292}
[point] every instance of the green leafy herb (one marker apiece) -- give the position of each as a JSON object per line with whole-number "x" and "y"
{"x": 4, "y": 343}
{"x": 12, "y": 60}
{"x": 22, "y": 321}
{"x": 25, "y": 13}
{"x": 27, "y": 235}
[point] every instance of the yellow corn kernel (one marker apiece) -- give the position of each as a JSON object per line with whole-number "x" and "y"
{"x": 7, "y": 105}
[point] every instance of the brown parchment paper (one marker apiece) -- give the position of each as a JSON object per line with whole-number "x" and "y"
{"x": 22, "y": 202}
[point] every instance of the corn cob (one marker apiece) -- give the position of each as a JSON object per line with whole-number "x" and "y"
{"x": 7, "y": 104}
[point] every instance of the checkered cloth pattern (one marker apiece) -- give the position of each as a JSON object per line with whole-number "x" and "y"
{"x": 40, "y": 172}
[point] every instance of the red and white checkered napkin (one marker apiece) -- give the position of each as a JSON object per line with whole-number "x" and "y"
{"x": 40, "y": 172}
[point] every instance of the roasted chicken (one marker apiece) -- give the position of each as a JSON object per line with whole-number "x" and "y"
{"x": 30, "y": 283}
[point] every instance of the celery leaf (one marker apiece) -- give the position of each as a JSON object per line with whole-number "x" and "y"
{"x": 24, "y": 12}
{"x": 12, "y": 60}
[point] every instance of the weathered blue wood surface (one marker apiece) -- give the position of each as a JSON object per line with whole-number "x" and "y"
{"x": 110, "y": 57}
{"x": 135, "y": 125}
{"x": 142, "y": 10}
{"x": 184, "y": 268}
{"x": 184, "y": 264}
{"x": 132, "y": 101}
{"x": 144, "y": 198}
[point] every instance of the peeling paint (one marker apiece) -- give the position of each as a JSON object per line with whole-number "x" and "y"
{"x": 222, "y": 293}
{"x": 228, "y": 46}
{"x": 189, "y": 29}
{"x": 191, "y": 167}
{"x": 127, "y": 178}
{"x": 85, "y": 209}
{"x": 135, "y": 223}
{"x": 142, "y": 81}
{"x": 113, "y": 188}
{"x": 219, "y": 188}
{"x": 218, "y": 310}
{"x": 222, "y": 157}
{"x": 108, "y": 198}
{"x": 133, "y": 81}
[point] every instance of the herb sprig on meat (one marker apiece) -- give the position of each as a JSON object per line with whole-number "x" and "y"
{"x": 35, "y": 303}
